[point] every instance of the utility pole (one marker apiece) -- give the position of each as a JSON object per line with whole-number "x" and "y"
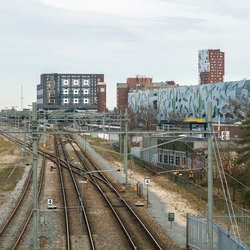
{"x": 74, "y": 119}
{"x": 120, "y": 135}
{"x": 44, "y": 129}
{"x": 18, "y": 121}
{"x": 36, "y": 244}
{"x": 103, "y": 126}
{"x": 210, "y": 178}
{"x": 25, "y": 143}
{"x": 21, "y": 97}
{"x": 109, "y": 133}
{"x": 126, "y": 147}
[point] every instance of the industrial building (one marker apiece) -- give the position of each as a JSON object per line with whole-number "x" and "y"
{"x": 211, "y": 63}
{"x": 71, "y": 91}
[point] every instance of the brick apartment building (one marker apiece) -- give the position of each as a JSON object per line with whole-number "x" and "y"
{"x": 211, "y": 66}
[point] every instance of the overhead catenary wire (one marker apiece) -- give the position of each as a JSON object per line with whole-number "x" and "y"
{"x": 225, "y": 188}
{"x": 242, "y": 184}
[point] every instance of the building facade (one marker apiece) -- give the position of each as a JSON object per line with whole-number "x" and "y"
{"x": 101, "y": 97}
{"x": 122, "y": 96}
{"x": 211, "y": 66}
{"x": 71, "y": 91}
{"x": 171, "y": 154}
{"x": 191, "y": 101}
{"x": 135, "y": 84}
{"x": 133, "y": 81}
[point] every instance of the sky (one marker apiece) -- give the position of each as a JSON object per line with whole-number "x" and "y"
{"x": 117, "y": 38}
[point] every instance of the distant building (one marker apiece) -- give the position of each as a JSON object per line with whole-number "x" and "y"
{"x": 211, "y": 66}
{"x": 101, "y": 96}
{"x": 172, "y": 154}
{"x": 122, "y": 96}
{"x": 191, "y": 101}
{"x": 72, "y": 91}
{"x": 133, "y": 81}
{"x": 137, "y": 83}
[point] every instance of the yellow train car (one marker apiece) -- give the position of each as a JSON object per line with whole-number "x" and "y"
{"x": 198, "y": 120}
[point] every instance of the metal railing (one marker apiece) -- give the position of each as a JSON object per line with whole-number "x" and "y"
{"x": 242, "y": 216}
{"x": 197, "y": 236}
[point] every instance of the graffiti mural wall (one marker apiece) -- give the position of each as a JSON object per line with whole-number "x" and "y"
{"x": 191, "y": 101}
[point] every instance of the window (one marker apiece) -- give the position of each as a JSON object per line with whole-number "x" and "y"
{"x": 51, "y": 101}
{"x": 40, "y": 92}
{"x": 65, "y": 82}
{"x": 76, "y": 91}
{"x": 86, "y": 100}
{"x": 177, "y": 160}
{"x": 86, "y": 82}
{"x": 40, "y": 101}
{"x": 75, "y": 100}
{"x": 169, "y": 157}
{"x": 85, "y": 91}
{"x": 165, "y": 159}
{"x": 160, "y": 156}
{"x": 171, "y": 160}
{"x": 66, "y": 100}
{"x": 76, "y": 82}
{"x": 65, "y": 91}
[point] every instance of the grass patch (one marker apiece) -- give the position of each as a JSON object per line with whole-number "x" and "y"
{"x": 6, "y": 145}
{"x": 8, "y": 184}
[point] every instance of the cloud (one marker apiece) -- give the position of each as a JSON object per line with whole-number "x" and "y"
{"x": 134, "y": 8}
{"x": 120, "y": 38}
{"x": 206, "y": 16}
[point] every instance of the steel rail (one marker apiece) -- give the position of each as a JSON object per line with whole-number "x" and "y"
{"x": 8, "y": 220}
{"x": 31, "y": 213}
{"x": 117, "y": 193}
{"x": 93, "y": 180}
{"x": 77, "y": 170}
{"x": 105, "y": 180}
{"x": 90, "y": 234}
{"x": 65, "y": 207}
{"x": 21, "y": 199}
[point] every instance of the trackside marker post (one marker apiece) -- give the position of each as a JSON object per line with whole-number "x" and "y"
{"x": 171, "y": 218}
{"x": 147, "y": 182}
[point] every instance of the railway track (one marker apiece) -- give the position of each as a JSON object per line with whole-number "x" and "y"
{"x": 130, "y": 230}
{"x": 137, "y": 233}
{"x": 13, "y": 230}
{"x": 72, "y": 199}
